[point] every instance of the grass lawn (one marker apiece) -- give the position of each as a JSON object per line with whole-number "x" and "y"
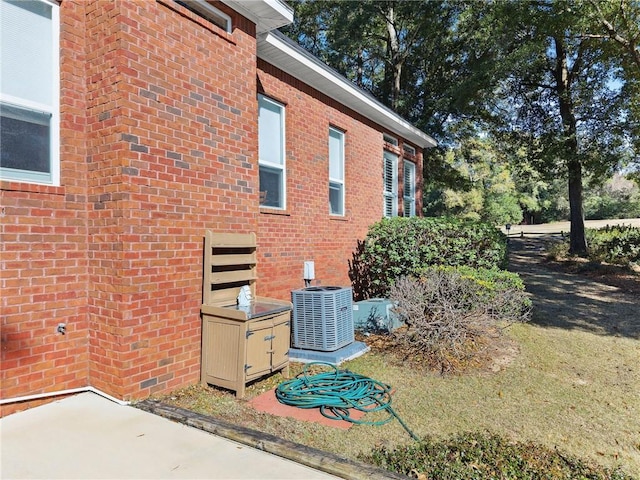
{"x": 575, "y": 390}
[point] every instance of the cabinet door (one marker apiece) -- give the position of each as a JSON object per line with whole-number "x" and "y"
{"x": 258, "y": 358}
{"x": 220, "y": 349}
{"x": 281, "y": 341}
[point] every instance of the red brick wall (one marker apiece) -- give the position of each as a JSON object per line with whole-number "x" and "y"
{"x": 44, "y": 276}
{"x": 306, "y": 230}
{"x": 175, "y": 98}
{"x": 159, "y": 140}
{"x": 159, "y": 143}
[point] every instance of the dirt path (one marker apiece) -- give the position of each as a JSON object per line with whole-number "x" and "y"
{"x": 571, "y": 300}
{"x": 556, "y": 228}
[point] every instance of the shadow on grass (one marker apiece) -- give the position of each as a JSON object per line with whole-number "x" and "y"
{"x": 570, "y": 300}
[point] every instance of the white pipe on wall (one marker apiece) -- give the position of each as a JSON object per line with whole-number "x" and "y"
{"x": 38, "y": 396}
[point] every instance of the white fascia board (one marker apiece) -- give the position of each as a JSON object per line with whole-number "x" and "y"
{"x": 266, "y": 14}
{"x": 281, "y": 8}
{"x": 294, "y": 60}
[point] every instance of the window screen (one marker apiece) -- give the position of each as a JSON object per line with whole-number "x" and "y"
{"x": 209, "y": 12}
{"x": 29, "y": 91}
{"x": 336, "y": 172}
{"x": 271, "y": 153}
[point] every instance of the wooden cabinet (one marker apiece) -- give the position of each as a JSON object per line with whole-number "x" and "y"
{"x": 235, "y": 352}
{"x": 267, "y": 345}
{"x": 239, "y": 344}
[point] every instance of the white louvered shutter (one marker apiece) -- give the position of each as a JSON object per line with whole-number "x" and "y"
{"x": 409, "y": 189}
{"x": 390, "y": 180}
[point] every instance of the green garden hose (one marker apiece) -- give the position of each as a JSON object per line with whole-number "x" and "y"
{"x": 337, "y": 391}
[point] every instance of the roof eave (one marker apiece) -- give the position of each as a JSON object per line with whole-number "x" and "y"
{"x": 266, "y": 14}
{"x": 289, "y": 57}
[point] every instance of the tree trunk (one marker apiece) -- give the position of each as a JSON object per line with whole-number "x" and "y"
{"x": 577, "y": 240}
{"x": 360, "y": 68}
{"x": 396, "y": 57}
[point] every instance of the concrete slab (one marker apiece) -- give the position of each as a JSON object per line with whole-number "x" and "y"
{"x": 335, "y": 357}
{"x": 89, "y": 437}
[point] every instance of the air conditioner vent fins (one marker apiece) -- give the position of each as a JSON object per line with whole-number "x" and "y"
{"x": 322, "y": 318}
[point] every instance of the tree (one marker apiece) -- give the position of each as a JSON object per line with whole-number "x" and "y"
{"x": 619, "y": 20}
{"x": 618, "y": 197}
{"x": 620, "y": 23}
{"x": 488, "y": 192}
{"x": 558, "y": 93}
{"x": 393, "y": 48}
{"x": 556, "y": 79}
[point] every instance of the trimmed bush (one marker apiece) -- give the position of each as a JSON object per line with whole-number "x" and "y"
{"x": 450, "y": 310}
{"x": 399, "y": 246}
{"x": 493, "y": 287}
{"x": 617, "y": 244}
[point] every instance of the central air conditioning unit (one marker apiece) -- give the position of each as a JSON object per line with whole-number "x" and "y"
{"x": 322, "y": 318}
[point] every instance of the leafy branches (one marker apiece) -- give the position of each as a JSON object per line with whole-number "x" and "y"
{"x": 622, "y": 28}
{"x": 559, "y": 81}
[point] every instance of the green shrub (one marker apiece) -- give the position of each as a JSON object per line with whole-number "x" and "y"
{"x": 399, "y": 246}
{"x": 618, "y": 245}
{"x": 614, "y": 244}
{"x": 481, "y": 456}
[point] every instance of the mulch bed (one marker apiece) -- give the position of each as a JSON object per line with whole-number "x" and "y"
{"x": 624, "y": 278}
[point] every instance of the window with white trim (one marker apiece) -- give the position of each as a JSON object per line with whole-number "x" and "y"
{"x": 409, "y": 189}
{"x": 390, "y": 184}
{"x": 208, "y": 12}
{"x": 336, "y": 172}
{"x": 389, "y": 139}
{"x": 271, "y": 153}
{"x": 29, "y": 91}
{"x": 408, "y": 149}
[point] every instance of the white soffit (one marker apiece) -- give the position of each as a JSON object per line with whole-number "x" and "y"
{"x": 266, "y": 14}
{"x": 285, "y": 54}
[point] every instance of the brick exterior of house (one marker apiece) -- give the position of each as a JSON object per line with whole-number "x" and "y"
{"x": 305, "y": 231}
{"x": 159, "y": 142}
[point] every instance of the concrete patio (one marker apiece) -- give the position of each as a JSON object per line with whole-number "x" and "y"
{"x": 87, "y": 436}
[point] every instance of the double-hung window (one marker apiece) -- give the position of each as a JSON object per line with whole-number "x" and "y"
{"x": 336, "y": 172}
{"x": 390, "y": 184}
{"x": 29, "y": 91}
{"x": 271, "y": 153}
{"x": 409, "y": 189}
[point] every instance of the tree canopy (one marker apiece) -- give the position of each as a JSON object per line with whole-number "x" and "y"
{"x": 555, "y": 84}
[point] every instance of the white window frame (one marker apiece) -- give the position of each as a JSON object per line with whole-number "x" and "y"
{"x": 409, "y": 149}
{"x": 209, "y": 12}
{"x": 281, "y": 167}
{"x": 337, "y": 183}
{"x": 30, "y": 176}
{"x": 390, "y": 139}
{"x": 390, "y": 195}
{"x": 409, "y": 189}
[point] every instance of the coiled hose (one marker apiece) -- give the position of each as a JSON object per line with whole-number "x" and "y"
{"x": 337, "y": 391}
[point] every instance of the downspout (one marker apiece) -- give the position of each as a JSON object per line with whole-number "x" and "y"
{"x": 38, "y": 396}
